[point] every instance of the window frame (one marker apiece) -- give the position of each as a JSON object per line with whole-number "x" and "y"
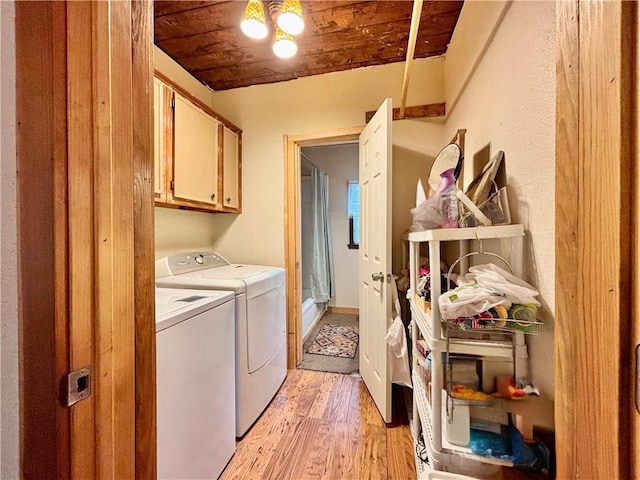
{"x": 352, "y": 245}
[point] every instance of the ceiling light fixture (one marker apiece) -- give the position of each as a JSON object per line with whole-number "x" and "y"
{"x": 284, "y": 46}
{"x": 253, "y": 23}
{"x": 290, "y": 18}
{"x": 286, "y": 16}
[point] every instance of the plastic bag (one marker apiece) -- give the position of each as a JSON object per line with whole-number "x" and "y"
{"x": 397, "y": 340}
{"x": 500, "y": 282}
{"x": 468, "y": 300}
{"x": 429, "y": 214}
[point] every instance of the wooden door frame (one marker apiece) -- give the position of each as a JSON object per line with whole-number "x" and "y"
{"x": 85, "y": 236}
{"x": 596, "y": 211}
{"x": 292, "y": 242}
{"x": 583, "y": 372}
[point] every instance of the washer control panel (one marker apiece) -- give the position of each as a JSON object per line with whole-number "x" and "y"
{"x": 191, "y": 262}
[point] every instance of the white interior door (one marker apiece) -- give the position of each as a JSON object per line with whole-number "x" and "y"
{"x": 375, "y": 255}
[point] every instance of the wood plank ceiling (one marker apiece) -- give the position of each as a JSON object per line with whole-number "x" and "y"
{"x": 205, "y": 38}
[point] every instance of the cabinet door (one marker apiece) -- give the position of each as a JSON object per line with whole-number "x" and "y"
{"x": 195, "y": 161}
{"x": 231, "y": 169}
{"x": 158, "y": 141}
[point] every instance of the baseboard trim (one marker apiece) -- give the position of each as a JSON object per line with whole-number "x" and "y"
{"x": 353, "y": 310}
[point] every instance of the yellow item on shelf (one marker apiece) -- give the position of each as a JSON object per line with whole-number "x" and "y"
{"x": 463, "y": 392}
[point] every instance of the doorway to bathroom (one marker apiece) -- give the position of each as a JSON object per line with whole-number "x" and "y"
{"x": 329, "y": 234}
{"x": 293, "y": 145}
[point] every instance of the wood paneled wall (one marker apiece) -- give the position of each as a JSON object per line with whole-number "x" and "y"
{"x": 41, "y": 99}
{"x": 85, "y": 210}
{"x": 594, "y": 156}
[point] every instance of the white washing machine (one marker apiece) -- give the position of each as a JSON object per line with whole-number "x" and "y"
{"x": 195, "y": 380}
{"x": 261, "y": 348}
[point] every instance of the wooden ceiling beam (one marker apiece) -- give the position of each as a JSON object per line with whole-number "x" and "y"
{"x": 419, "y": 111}
{"x": 411, "y": 48}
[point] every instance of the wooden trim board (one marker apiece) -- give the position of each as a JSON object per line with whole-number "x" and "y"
{"x": 41, "y": 189}
{"x": 416, "y": 111}
{"x": 349, "y": 310}
{"x": 144, "y": 241}
{"x": 634, "y": 415}
{"x": 594, "y": 132}
{"x": 185, "y": 93}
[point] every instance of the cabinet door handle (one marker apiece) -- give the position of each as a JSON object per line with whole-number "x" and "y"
{"x": 228, "y": 199}
{"x": 213, "y": 196}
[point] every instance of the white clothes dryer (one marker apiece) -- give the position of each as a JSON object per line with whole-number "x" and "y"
{"x": 195, "y": 382}
{"x": 261, "y": 348}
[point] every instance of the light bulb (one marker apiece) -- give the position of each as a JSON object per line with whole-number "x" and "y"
{"x": 290, "y": 18}
{"x": 284, "y": 46}
{"x": 253, "y": 24}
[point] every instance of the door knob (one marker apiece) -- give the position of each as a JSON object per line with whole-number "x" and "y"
{"x": 377, "y": 277}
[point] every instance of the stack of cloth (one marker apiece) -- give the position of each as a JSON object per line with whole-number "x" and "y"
{"x": 488, "y": 296}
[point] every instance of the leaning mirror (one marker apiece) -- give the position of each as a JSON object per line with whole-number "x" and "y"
{"x": 449, "y": 157}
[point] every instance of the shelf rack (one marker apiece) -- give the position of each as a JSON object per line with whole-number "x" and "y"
{"x": 499, "y": 346}
{"x": 450, "y": 455}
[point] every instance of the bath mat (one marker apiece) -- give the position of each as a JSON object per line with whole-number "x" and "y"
{"x": 335, "y": 341}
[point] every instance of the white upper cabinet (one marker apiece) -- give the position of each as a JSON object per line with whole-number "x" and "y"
{"x": 197, "y": 154}
{"x": 231, "y": 169}
{"x": 195, "y": 158}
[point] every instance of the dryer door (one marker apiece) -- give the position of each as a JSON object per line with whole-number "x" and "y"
{"x": 266, "y": 326}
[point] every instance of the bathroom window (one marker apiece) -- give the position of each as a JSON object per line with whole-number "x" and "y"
{"x": 353, "y": 212}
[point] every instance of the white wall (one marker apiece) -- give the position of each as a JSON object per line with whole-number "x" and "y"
{"x": 415, "y": 145}
{"x": 180, "y": 231}
{"x": 509, "y": 104}
{"x": 9, "y": 394}
{"x": 340, "y": 163}
{"x": 310, "y": 104}
{"x": 267, "y": 112}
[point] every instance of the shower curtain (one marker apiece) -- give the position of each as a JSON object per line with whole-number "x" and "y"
{"x": 322, "y": 273}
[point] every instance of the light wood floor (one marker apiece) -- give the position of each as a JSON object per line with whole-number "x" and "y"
{"x": 323, "y": 426}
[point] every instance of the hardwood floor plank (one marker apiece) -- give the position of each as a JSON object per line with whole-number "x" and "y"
{"x": 343, "y": 401}
{"x": 323, "y": 426}
{"x": 368, "y": 411}
{"x": 372, "y": 453}
{"x": 342, "y": 455}
{"x": 320, "y": 403}
{"x": 256, "y": 449}
{"x": 400, "y": 452}
{"x": 289, "y": 458}
{"x": 313, "y": 386}
{"x": 315, "y": 466}
{"x": 298, "y": 392}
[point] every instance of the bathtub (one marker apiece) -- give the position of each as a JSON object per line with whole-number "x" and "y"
{"x": 311, "y": 312}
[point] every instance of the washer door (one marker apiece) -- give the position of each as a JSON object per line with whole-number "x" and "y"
{"x": 266, "y": 327}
